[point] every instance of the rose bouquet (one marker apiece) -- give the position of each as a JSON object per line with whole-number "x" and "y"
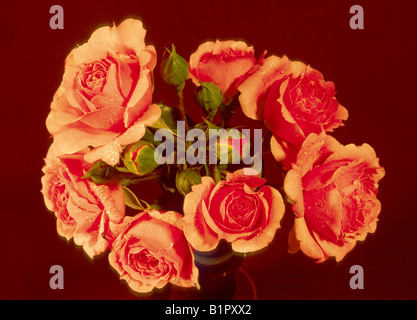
{"x": 110, "y": 138}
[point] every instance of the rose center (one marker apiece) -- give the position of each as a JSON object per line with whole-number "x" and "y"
{"x": 359, "y": 203}
{"x": 144, "y": 262}
{"x": 309, "y": 102}
{"x": 241, "y": 212}
{"x": 92, "y": 78}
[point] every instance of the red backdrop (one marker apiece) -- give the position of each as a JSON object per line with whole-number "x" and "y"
{"x": 372, "y": 70}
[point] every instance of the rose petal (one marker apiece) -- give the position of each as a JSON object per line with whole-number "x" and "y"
{"x": 108, "y": 119}
{"x": 196, "y": 230}
{"x": 248, "y": 176}
{"x": 95, "y": 49}
{"x": 221, "y": 62}
{"x": 140, "y": 99}
{"x": 277, "y": 117}
{"x": 110, "y": 152}
{"x": 131, "y": 35}
{"x": 253, "y": 89}
{"x": 362, "y": 153}
{"x": 307, "y": 243}
{"x": 276, "y": 208}
{"x": 294, "y": 189}
{"x": 284, "y": 152}
{"x": 71, "y": 140}
{"x": 323, "y": 212}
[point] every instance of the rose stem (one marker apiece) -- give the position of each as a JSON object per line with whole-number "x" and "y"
{"x": 182, "y": 109}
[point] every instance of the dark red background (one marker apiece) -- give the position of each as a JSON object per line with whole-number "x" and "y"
{"x": 374, "y": 73}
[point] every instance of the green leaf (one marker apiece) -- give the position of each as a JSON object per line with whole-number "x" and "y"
{"x": 155, "y": 206}
{"x": 290, "y": 201}
{"x": 149, "y": 137}
{"x": 100, "y": 172}
{"x": 168, "y": 119}
{"x": 131, "y": 200}
{"x": 211, "y": 125}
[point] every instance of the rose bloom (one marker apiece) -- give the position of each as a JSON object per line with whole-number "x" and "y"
{"x": 105, "y": 96}
{"x": 240, "y": 210}
{"x": 226, "y": 63}
{"x": 83, "y": 209}
{"x": 150, "y": 250}
{"x": 293, "y": 100}
{"x": 334, "y": 189}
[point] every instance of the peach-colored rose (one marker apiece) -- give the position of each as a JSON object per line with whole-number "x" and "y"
{"x": 292, "y": 100}
{"x": 226, "y": 63}
{"x": 83, "y": 209}
{"x": 150, "y": 250}
{"x": 239, "y": 209}
{"x": 334, "y": 188}
{"x": 104, "y": 100}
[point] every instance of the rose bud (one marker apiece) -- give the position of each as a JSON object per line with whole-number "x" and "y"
{"x": 139, "y": 158}
{"x": 174, "y": 70}
{"x": 186, "y": 179}
{"x": 209, "y": 97}
{"x": 236, "y": 147}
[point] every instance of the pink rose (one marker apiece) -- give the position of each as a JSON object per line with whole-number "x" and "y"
{"x": 150, "y": 250}
{"x": 226, "y": 63}
{"x": 105, "y": 96}
{"x": 334, "y": 189}
{"x": 239, "y": 209}
{"x": 83, "y": 209}
{"x": 292, "y": 100}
